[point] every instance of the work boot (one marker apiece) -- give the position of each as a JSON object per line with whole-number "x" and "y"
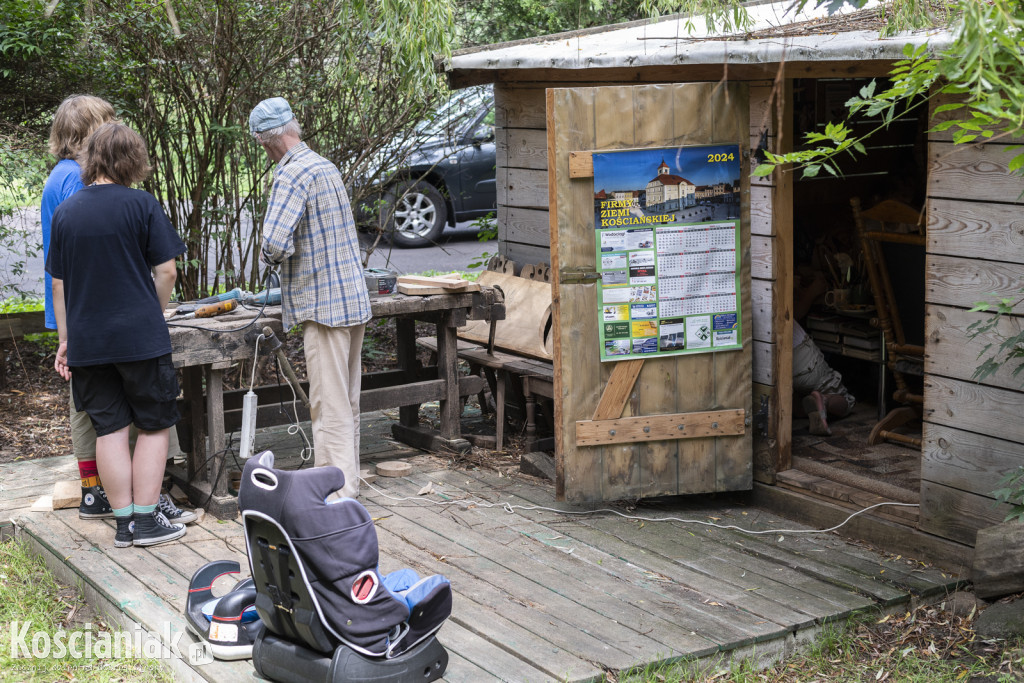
{"x": 173, "y": 513}
{"x": 123, "y": 535}
{"x": 152, "y": 528}
{"x": 94, "y": 504}
{"x": 814, "y": 406}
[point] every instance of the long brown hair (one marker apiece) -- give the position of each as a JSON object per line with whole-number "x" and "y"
{"x": 115, "y": 152}
{"x": 77, "y": 117}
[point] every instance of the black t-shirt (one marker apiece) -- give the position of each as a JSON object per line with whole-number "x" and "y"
{"x": 105, "y": 241}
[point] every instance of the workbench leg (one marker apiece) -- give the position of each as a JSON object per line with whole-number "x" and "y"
{"x": 499, "y": 417}
{"x": 221, "y": 504}
{"x": 448, "y": 370}
{"x": 192, "y": 381}
{"x": 408, "y": 416}
{"x": 531, "y": 415}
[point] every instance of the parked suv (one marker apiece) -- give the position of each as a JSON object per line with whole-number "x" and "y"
{"x": 446, "y": 176}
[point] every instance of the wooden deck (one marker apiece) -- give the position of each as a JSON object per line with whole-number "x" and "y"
{"x": 539, "y": 595}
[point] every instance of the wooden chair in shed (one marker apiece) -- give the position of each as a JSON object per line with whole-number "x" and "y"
{"x": 876, "y": 226}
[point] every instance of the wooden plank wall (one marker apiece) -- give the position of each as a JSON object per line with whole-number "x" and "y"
{"x": 522, "y": 173}
{"x": 973, "y": 433}
{"x": 623, "y": 118}
{"x": 771, "y": 251}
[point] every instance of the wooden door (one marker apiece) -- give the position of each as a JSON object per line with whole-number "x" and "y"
{"x": 637, "y": 407}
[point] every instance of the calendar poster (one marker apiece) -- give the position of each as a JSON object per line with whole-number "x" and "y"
{"x": 667, "y": 225}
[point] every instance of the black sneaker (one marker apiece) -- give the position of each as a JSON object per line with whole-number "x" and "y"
{"x": 123, "y": 535}
{"x": 173, "y": 513}
{"x": 152, "y": 528}
{"x": 94, "y": 504}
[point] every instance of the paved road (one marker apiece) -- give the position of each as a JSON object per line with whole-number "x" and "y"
{"x": 21, "y": 262}
{"x": 457, "y": 248}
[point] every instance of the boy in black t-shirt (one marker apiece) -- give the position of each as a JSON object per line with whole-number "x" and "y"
{"x": 115, "y": 248}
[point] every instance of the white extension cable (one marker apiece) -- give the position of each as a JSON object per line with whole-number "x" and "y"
{"x": 249, "y": 404}
{"x": 511, "y": 509}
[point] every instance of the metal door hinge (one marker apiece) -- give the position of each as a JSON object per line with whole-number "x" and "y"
{"x": 577, "y": 277}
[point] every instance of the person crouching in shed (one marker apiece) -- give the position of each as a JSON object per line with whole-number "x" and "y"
{"x": 112, "y": 253}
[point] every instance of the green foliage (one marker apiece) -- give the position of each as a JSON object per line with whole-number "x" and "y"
{"x": 486, "y": 230}
{"x": 41, "y": 64}
{"x": 720, "y": 16}
{"x": 20, "y": 304}
{"x": 495, "y": 21}
{"x": 1011, "y": 492}
{"x": 1006, "y": 348}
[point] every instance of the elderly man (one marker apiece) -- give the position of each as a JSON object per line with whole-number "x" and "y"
{"x": 309, "y": 232}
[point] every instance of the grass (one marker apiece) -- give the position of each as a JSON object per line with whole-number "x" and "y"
{"x": 28, "y": 592}
{"x": 923, "y": 646}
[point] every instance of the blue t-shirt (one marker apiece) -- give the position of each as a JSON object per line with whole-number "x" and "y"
{"x": 64, "y": 180}
{"x": 106, "y": 240}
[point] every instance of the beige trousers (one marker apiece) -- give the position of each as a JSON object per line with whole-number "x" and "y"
{"x": 334, "y": 367}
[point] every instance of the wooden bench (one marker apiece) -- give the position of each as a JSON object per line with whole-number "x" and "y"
{"x": 537, "y": 379}
{"x": 14, "y": 326}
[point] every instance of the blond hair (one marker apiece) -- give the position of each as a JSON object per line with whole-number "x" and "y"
{"x": 115, "y": 152}
{"x": 76, "y": 118}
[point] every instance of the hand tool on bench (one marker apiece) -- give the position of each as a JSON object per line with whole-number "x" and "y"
{"x": 210, "y": 310}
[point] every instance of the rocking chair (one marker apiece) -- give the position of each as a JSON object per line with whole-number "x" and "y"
{"x": 902, "y": 359}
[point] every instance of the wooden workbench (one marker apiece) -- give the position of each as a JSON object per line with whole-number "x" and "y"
{"x": 205, "y": 348}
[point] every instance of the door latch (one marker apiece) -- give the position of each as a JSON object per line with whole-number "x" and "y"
{"x": 577, "y": 276}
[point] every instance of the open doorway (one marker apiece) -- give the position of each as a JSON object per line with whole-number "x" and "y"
{"x": 836, "y": 455}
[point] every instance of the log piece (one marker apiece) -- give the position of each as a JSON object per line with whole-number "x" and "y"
{"x": 998, "y": 558}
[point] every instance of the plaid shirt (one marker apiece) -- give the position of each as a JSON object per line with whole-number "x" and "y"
{"x": 310, "y": 232}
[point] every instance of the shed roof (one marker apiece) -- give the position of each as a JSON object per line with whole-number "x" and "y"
{"x": 778, "y": 35}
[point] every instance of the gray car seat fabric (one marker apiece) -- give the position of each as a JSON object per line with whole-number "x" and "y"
{"x": 334, "y": 546}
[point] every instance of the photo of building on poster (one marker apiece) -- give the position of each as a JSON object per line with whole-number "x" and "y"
{"x": 668, "y": 250}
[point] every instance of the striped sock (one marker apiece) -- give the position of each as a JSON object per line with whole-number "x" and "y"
{"x": 126, "y": 511}
{"x": 145, "y": 509}
{"x": 88, "y": 473}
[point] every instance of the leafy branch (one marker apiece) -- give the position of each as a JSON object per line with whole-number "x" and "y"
{"x": 1010, "y": 347}
{"x": 1009, "y": 492}
{"x": 983, "y": 67}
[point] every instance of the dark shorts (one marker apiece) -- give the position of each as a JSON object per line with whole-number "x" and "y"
{"x": 143, "y": 392}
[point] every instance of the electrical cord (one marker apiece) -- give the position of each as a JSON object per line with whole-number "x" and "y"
{"x": 255, "y": 358}
{"x": 510, "y": 508}
{"x": 306, "y": 454}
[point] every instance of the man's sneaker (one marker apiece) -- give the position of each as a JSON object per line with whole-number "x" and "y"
{"x": 94, "y": 504}
{"x": 123, "y": 535}
{"x": 173, "y": 513}
{"x": 151, "y": 528}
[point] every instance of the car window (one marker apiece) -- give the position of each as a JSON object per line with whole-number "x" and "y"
{"x": 454, "y": 116}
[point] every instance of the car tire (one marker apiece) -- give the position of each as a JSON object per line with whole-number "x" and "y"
{"x": 413, "y": 214}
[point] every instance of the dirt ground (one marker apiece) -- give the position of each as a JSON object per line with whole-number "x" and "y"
{"x": 34, "y": 403}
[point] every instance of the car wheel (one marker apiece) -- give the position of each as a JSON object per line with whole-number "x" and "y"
{"x": 413, "y": 214}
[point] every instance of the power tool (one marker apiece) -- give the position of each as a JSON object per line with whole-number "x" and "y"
{"x": 235, "y": 293}
{"x": 210, "y": 310}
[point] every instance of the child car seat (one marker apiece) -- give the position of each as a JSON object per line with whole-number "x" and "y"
{"x": 229, "y": 623}
{"x": 328, "y": 613}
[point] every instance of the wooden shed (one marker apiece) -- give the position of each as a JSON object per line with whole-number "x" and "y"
{"x": 560, "y": 99}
